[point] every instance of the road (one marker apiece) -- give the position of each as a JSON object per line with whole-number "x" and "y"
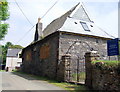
{"x": 13, "y": 81}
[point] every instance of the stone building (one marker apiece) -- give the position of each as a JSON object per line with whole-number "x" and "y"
{"x": 73, "y": 33}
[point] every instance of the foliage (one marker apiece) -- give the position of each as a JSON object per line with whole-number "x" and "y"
{"x": 2, "y": 70}
{"x": 0, "y": 54}
{"x": 16, "y": 46}
{"x": 107, "y": 62}
{"x": 104, "y": 64}
{"x": 5, "y": 48}
{"x": 3, "y": 30}
{"x": 4, "y": 15}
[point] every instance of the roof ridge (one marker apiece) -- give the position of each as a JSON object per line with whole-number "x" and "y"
{"x": 80, "y": 13}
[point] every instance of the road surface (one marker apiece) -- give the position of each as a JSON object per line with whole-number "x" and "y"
{"x": 13, "y": 81}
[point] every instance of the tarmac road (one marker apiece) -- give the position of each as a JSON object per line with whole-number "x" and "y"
{"x": 11, "y": 81}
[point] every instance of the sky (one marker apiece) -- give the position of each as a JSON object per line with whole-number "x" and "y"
{"x": 103, "y": 13}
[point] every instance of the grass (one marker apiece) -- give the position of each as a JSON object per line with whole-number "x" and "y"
{"x": 81, "y": 76}
{"x": 2, "y": 70}
{"x": 107, "y": 63}
{"x": 70, "y": 87}
{"x": 67, "y": 86}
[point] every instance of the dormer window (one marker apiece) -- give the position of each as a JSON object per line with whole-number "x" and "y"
{"x": 85, "y": 27}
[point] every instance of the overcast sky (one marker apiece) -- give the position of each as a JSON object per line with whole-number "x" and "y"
{"x": 103, "y": 13}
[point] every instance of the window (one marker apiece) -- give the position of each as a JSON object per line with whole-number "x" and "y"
{"x": 28, "y": 55}
{"x": 85, "y": 27}
{"x": 44, "y": 51}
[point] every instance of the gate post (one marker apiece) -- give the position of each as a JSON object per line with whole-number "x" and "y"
{"x": 63, "y": 73}
{"x": 89, "y": 57}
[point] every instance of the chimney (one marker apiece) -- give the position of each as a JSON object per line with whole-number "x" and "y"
{"x": 38, "y": 32}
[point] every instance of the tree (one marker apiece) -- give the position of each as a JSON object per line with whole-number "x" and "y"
{"x": 4, "y": 50}
{"x": 0, "y": 54}
{"x": 4, "y": 15}
{"x": 16, "y": 46}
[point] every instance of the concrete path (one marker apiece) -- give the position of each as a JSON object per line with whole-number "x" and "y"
{"x": 11, "y": 81}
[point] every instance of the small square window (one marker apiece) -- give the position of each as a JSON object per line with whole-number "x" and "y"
{"x": 85, "y": 27}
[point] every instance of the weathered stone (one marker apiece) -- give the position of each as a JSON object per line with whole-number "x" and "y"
{"x": 44, "y": 56}
{"x": 106, "y": 79}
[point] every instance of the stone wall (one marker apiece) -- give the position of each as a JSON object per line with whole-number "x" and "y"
{"x": 106, "y": 79}
{"x": 41, "y": 57}
{"x": 67, "y": 39}
{"x": 77, "y": 51}
{"x": 44, "y": 57}
{"x": 63, "y": 66}
{"x": 101, "y": 78}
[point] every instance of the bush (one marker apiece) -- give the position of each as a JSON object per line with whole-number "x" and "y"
{"x": 104, "y": 64}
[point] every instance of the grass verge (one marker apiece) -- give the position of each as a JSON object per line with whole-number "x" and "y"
{"x": 2, "y": 70}
{"x": 67, "y": 86}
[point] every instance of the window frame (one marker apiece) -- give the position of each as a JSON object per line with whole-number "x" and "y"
{"x": 85, "y": 26}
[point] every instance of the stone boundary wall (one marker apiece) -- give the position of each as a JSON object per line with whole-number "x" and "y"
{"x": 106, "y": 78}
{"x": 99, "y": 78}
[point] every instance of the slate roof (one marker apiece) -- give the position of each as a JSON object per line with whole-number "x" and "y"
{"x": 76, "y": 20}
{"x": 13, "y": 52}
